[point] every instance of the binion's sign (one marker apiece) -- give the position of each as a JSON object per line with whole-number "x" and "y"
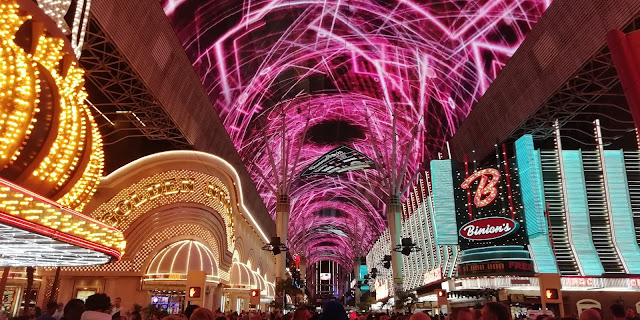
{"x": 488, "y": 206}
{"x": 488, "y": 228}
{"x": 490, "y": 219}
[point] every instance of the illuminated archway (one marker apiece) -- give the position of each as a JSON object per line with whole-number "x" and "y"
{"x": 174, "y": 261}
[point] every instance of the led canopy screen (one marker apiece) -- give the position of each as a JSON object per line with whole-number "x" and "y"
{"x": 292, "y": 80}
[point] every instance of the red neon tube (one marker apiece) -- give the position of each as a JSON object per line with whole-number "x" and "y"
{"x": 506, "y": 172}
{"x": 466, "y": 175}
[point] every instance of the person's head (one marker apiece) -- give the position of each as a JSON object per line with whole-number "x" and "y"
{"x": 98, "y": 302}
{"x": 617, "y": 310}
{"x": 630, "y": 313}
{"x": 51, "y": 307}
{"x": 465, "y": 314}
{"x": 302, "y": 314}
{"x": 201, "y": 314}
{"x": 590, "y": 314}
{"x": 333, "y": 310}
{"x": 189, "y": 310}
{"x": 60, "y": 307}
{"x": 74, "y": 309}
{"x": 495, "y": 311}
{"x": 420, "y": 316}
{"x": 116, "y": 302}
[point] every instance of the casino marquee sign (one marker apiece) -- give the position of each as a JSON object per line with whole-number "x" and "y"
{"x": 490, "y": 220}
{"x": 488, "y": 228}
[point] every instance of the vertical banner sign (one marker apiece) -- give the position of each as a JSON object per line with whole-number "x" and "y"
{"x": 490, "y": 220}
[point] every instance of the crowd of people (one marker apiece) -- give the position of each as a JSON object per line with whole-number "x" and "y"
{"x": 99, "y": 307}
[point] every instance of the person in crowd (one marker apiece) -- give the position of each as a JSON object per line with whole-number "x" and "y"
{"x": 466, "y": 314}
{"x": 98, "y": 307}
{"x": 50, "y": 310}
{"x": 177, "y": 316}
{"x": 73, "y": 310}
{"x": 116, "y": 306}
{"x": 37, "y": 312}
{"x": 333, "y": 310}
{"x": 618, "y": 311}
{"x": 631, "y": 314}
{"x": 590, "y": 314}
{"x": 59, "y": 311}
{"x": 495, "y": 311}
{"x": 302, "y": 314}
{"x": 189, "y": 310}
{"x": 202, "y": 314}
{"x": 421, "y": 316}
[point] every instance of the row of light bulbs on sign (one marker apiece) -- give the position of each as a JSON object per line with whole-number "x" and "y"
{"x": 28, "y": 208}
{"x": 20, "y": 89}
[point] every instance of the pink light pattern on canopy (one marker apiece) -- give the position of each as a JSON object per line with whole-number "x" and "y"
{"x": 297, "y": 64}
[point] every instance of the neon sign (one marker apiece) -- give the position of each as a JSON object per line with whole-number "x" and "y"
{"x": 432, "y": 276}
{"x": 486, "y": 191}
{"x": 488, "y": 228}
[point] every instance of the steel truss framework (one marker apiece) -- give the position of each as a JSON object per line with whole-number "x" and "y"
{"x": 593, "y": 92}
{"x": 126, "y": 95}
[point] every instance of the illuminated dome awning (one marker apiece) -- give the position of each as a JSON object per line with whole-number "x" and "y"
{"x": 177, "y": 259}
{"x": 271, "y": 290}
{"x": 35, "y": 231}
{"x": 260, "y": 283}
{"x": 242, "y": 276}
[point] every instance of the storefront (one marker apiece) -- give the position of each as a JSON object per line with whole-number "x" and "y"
{"x": 535, "y": 229}
{"x": 182, "y": 213}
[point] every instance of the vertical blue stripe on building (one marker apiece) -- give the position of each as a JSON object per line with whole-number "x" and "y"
{"x": 578, "y": 221}
{"x": 621, "y": 214}
{"x": 445, "y": 227}
{"x": 531, "y": 184}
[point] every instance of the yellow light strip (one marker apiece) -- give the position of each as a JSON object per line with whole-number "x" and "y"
{"x": 21, "y": 203}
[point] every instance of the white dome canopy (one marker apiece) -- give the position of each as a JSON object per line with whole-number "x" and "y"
{"x": 183, "y": 256}
{"x": 260, "y": 283}
{"x": 271, "y": 290}
{"x": 241, "y": 275}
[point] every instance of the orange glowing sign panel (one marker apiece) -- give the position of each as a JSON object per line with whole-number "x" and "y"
{"x": 551, "y": 293}
{"x": 194, "y": 292}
